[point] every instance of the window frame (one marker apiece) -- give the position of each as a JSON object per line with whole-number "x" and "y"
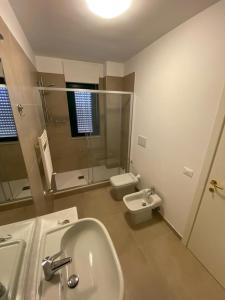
{"x": 11, "y": 138}
{"x": 72, "y": 109}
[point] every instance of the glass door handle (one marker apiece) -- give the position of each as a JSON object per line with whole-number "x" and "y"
{"x": 214, "y": 183}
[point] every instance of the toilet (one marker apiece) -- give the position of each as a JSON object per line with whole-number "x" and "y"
{"x": 140, "y": 205}
{"x": 123, "y": 184}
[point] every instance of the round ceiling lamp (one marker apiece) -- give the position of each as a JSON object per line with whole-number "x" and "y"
{"x": 108, "y": 9}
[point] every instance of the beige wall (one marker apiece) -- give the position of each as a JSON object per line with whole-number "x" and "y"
{"x": 178, "y": 86}
{"x": 77, "y": 70}
{"x": 21, "y": 80}
{"x": 112, "y": 68}
{"x": 73, "y": 70}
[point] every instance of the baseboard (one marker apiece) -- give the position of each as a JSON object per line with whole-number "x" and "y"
{"x": 172, "y": 227}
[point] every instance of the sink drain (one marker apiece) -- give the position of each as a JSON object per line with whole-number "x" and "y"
{"x": 73, "y": 281}
{"x": 63, "y": 222}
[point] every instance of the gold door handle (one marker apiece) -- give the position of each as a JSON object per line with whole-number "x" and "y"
{"x": 215, "y": 184}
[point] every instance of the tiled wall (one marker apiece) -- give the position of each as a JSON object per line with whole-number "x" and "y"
{"x": 11, "y": 162}
{"x": 21, "y": 80}
{"x": 69, "y": 153}
{"x": 73, "y": 153}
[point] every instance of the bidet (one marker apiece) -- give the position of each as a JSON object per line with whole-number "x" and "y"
{"x": 140, "y": 204}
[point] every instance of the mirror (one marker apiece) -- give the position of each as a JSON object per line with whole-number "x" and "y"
{"x": 14, "y": 185}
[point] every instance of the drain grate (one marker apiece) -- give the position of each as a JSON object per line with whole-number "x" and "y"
{"x": 27, "y": 187}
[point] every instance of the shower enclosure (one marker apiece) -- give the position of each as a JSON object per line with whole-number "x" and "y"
{"x": 14, "y": 184}
{"x": 89, "y": 134}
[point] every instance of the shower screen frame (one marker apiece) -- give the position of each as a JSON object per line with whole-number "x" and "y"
{"x": 42, "y": 91}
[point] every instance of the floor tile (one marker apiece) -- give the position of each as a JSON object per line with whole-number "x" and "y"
{"x": 67, "y": 202}
{"x": 155, "y": 263}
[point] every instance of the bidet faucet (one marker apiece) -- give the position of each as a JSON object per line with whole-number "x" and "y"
{"x": 150, "y": 192}
{"x": 50, "y": 266}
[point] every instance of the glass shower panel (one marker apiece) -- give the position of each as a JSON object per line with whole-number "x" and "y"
{"x": 96, "y": 140}
{"x": 126, "y": 117}
{"x": 88, "y": 132}
{"x": 5, "y": 192}
{"x": 107, "y": 149}
{"x": 69, "y": 154}
{"x": 14, "y": 184}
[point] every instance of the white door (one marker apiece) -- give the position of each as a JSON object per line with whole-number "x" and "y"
{"x": 207, "y": 240}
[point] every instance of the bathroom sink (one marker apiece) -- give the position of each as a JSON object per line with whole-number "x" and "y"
{"x": 94, "y": 260}
{"x": 11, "y": 258}
{"x": 15, "y": 247}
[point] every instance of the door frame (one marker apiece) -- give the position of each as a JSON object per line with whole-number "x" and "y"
{"x": 206, "y": 168}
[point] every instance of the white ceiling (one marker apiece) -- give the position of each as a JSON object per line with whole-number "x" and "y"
{"x": 67, "y": 29}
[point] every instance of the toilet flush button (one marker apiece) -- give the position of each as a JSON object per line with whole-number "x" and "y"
{"x": 188, "y": 172}
{"x": 142, "y": 141}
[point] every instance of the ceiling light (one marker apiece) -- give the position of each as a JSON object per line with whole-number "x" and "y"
{"x": 108, "y": 9}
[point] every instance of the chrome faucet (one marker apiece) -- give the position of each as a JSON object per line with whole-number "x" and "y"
{"x": 50, "y": 266}
{"x": 150, "y": 192}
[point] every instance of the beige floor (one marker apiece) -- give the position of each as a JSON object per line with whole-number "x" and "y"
{"x": 155, "y": 264}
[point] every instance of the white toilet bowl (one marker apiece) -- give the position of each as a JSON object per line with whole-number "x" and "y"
{"x": 123, "y": 184}
{"x": 140, "y": 205}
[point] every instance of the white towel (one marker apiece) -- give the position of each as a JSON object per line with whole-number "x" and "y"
{"x": 46, "y": 157}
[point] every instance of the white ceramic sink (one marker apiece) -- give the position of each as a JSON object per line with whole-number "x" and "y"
{"x": 11, "y": 258}
{"x": 15, "y": 246}
{"x": 94, "y": 260}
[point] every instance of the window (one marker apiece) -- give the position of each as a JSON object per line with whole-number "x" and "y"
{"x": 83, "y": 110}
{"x": 7, "y": 124}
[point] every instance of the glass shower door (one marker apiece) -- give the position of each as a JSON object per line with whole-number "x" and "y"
{"x": 108, "y": 150}
{"x": 96, "y": 139}
{"x": 69, "y": 152}
{"x": 89, "y": 134}
{"x": 5, "y": 192}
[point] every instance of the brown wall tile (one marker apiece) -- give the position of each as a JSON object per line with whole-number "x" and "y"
{"x": 128, "y": 82}
{"x": 11, "y": 162}
{"x": 69, "y": 153}
{"x": 21, "y": 77}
